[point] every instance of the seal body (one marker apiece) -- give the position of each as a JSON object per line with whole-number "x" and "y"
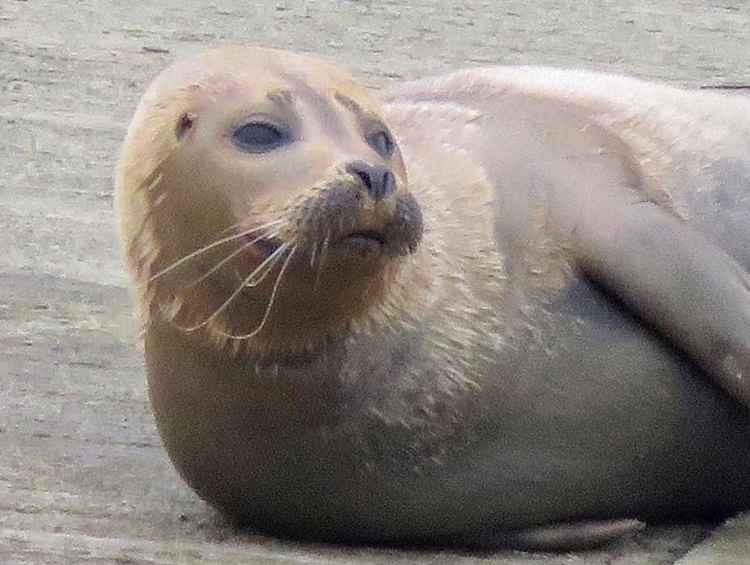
{"x": 542, "y": 316}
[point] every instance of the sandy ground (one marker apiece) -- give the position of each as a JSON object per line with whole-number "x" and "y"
{"x": 83, "y": 477}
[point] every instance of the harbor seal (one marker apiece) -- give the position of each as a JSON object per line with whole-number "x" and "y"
{"x": 504, "y": 305}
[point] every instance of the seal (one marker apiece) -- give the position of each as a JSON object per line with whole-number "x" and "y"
{"x": 501, "y": 306}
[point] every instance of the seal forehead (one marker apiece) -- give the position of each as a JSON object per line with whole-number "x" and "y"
{"x": 326, "y": 95}
{"x": 258, "y": 69}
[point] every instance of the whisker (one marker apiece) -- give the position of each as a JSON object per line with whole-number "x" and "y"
{"x": 211, "y": 246}
{"x": 237, "y": 291}
{"x": 324, "y": 249}
{"x": 313, "y": 253}
{"x": 231, "y": 256}
{"x": 323, "y": 257}
{"x": 230, "y": 227}
{"x": 269, "y": 268}
{"x": 239, "y": 224}
{"x": 271, "y": 300}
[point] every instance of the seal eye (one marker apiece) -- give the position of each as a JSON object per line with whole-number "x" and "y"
{"x": 381, "y": 141}
{"x": 259, "y": 137}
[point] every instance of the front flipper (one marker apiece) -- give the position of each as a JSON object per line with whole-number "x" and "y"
{"x": 674, "y": 278}
{"x": 558, "y": 537}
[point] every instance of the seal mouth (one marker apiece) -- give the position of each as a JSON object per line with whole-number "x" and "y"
{"x": 267, "y": 246}
{"x": 366, "y": 237}
{"x": 365, "y": 242}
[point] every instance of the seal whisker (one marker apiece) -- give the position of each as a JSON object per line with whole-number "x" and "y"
{"x": 324, "y": 249}
{"x": 230, "y": 227}
{"x": 210, "y": 246}
{"x": 271, "y": 300}
{"x": 237, "y": 291}
{"x": 323, "y": 255}
{"x": 231, "y": 256}
{"x": 313, "y": 254}
{"x": 269, "y": 263}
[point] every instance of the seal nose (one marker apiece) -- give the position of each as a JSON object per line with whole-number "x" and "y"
{"x": 378, "y": 180}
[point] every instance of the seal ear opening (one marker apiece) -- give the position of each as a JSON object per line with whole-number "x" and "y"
{"x": 184, "y": 125}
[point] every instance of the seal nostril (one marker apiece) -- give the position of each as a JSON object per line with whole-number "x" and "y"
{"x": 378, "y": 180}
{"x": 389, "y": 183}
{"x": 362, "y": 170}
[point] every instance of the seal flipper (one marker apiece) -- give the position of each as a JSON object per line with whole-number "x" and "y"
{"x": 558, "y": 537}
{"x": 692, "y": 291}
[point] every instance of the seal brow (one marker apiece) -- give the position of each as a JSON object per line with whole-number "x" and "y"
{"x": 281, "y": 97}
{"x": 349, "y": 103}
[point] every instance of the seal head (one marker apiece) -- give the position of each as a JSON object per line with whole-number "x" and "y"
{"x": 248, "y": 180}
